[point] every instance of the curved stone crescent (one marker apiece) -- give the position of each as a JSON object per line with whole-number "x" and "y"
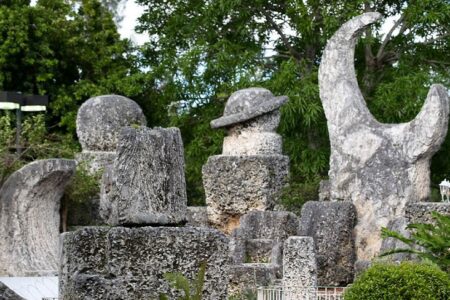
{"x": 379, "y": 167}
{"x": 29, "y": 217}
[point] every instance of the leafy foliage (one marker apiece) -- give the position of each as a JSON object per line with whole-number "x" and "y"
{"x": 431, "y": 242}
{"x": 192, "y": 291}
{"x": 36, "y": 143}
{"x": 202, "y": 51}
{"x": 405, "y": 281}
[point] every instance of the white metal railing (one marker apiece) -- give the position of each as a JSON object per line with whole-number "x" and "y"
{"x": 300, "y": 293}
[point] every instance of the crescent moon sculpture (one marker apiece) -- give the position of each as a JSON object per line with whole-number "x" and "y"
{"x": 379, "y": 167}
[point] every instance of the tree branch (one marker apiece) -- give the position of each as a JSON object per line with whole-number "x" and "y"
{"x": 388, "y": 37}
{"x": 297, "y": 55}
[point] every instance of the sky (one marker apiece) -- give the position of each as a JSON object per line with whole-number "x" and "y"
{"x": 131, "y": 13}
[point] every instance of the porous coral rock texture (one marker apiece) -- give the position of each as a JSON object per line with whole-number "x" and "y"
{"x": 30, "y": 219}
{"x": 130, "y": 263}
{"x": 299, "y": 268}
{"x": 331, "y": 226}
{"x": 235, "y": 185}
{"x": 379, "y": 167}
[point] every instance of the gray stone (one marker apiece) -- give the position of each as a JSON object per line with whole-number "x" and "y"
{"x": 95, "y": 161}
{"x": 130, "y": 263}
{"x": 378, "y": 167}
{"x": 7, "y": 294}
{"x": 299, "y": 268}
{"x": 247, "y": 104}
{"x": 256, "y": 249}
{"x": 420, "y": 212}
{"x": 146, "y": 184}
{"x": 331, "y": 226}
{"x": 197, "y": 216}
{"x": 324, "y": 190}
{"x": 235, "y": 185}
{"x": 100, "y": 119}
{"x": 254, "y": 137}
{"x": 275, "y": 225}
{"x": 30, "y": 219}
{"x": 250, "y": 276}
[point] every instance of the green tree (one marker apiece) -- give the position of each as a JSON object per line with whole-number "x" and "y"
{"x": 202, "y": 51}
{"x": 71, "y": 51}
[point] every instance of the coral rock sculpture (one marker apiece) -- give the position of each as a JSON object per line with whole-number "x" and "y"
{"x": 30, "y": 219}
{"x": 379, "y": 167}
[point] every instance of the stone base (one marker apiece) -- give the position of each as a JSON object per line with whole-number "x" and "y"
{"x": 95, "y": 161}
{"x": 331, "y": 225}
{"x": 197, "y": 216}
{"x": 248, "y": 277}
{"x": 130, "y": 263}
{"x": 420, "y": 212}
{"x": 235, "y": 185}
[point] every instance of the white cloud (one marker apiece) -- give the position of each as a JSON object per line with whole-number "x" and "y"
{"x": 131, "y": 13}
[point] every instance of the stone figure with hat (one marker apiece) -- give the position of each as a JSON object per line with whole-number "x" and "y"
{"x": 251, "y": 171}
{"x": 251, "y": 117}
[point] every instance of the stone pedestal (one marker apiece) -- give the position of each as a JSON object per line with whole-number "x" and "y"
{"x": 146, "y": 184}
{"x": 299, "y": 268}
{"x": 235, "y": 185}
{"x": 331, "y": 226}
{"x": 30, "y": 218}
{"x": 130, "y": 263}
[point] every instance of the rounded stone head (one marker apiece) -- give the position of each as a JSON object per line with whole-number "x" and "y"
{"x": 248, "y": 104}
{"x": 100, "y": 119}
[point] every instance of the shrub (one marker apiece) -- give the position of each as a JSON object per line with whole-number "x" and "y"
{"x": 431, "y": 242}
{"x": 407, "y": 280}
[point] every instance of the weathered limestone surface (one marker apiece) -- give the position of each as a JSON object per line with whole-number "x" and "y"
{"x": 130, "y": 263}
{"x": 29, "y": 217}
{"x": 197, "y": 216}
{"x": 146, "y": 184}
{"x": 331, "y": 226}
{"x": 299, "y": 268}
{"x": 235, "y": 185}
{"x": 7, "y": 294}
{"x": 100, "y": 119}
{"x": 256, "y": 249}
{"x": 378, "y": 167}
{"x": 420, "y": 212}
{"x": 254, "y": 137}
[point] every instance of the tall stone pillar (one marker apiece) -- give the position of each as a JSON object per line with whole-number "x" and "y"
{"x": 251, "y": 172}
{"x": 99, "y": 123}
{"x": 299, "y": 268}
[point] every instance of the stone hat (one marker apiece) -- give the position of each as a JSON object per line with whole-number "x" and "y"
{"x": 247, "y": 104}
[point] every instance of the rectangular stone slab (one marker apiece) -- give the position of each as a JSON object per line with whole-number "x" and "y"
{"x": 130, "y": 263}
